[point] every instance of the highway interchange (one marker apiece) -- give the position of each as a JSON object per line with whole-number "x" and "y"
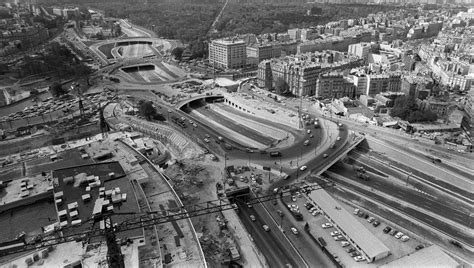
{"x": 446, "y": 213}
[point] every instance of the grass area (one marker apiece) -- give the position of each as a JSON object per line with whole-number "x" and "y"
{"x": 106, "y": 49}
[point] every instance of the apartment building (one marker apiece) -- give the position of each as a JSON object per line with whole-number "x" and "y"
{"x": 228, "y": 54}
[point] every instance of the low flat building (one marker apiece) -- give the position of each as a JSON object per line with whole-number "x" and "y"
{"x": 431, "y": 256}
{"x": 356, "y": 233}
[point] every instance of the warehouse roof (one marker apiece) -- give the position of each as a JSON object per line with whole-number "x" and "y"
{"x": 428, "y": 257}
{"x": 370, "y": 244}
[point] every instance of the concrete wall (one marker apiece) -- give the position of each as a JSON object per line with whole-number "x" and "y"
{"x": 284, "y": 119}
{"x": 26, "y": 201}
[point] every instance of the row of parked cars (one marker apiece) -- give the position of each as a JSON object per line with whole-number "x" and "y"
{"x": 375, "y": 223}
{"x": 344, "y": 243}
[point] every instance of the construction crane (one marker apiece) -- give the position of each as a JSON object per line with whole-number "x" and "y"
{"x": 145, "y": 219}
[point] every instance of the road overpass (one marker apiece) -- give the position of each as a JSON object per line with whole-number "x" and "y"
{"x": 187, "y": 102}
{"x": 353, "y": 141}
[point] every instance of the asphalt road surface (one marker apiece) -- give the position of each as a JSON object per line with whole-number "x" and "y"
{"x": 276, "y": 250}
{"x": 237, "y": 127}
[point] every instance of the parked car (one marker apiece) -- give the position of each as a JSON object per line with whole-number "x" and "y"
{"x": 405, "y": 238}
{"x": 350, "y": 249}
{"x": 356, "y": 211}
{"x": 293, "y": 198}
{"x": 387, "y": 229}
{"x": 371, "y": 219}
{"x": 325, "y": 155}
{"x": 399, "y": 235}
{"x": 339, "y": 238}
{"x": 354, "y": 254}
{"x": 326, "y": 225}
{"x": 335, "y": 233}
{"x": 359, "y": 258}
{"x": 345, "y": 244}
{"x": 315, "y": 213}
{"x": 376, "y": 223}
{"x": 393, "y": 232}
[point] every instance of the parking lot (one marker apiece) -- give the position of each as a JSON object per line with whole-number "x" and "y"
{"x": 336, "y": 244}
{"x": 53, "y": 109}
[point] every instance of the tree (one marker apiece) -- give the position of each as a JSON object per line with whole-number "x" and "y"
{"x": 177, "y": 52}
{"x": 146, "y": 109}
{"x": 57, "y": 89}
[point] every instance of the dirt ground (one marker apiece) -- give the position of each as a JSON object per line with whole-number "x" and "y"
{"x": 195, "y": 181}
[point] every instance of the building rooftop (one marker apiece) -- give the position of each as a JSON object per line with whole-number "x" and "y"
{"x": 229, "y": 41}
{"x": 72, "y": 186}
{"x": 16, "y": 190}
{"x": 370, "y": 244}
{"x": 431, "y": 256}
{"x": 73, "y": 253}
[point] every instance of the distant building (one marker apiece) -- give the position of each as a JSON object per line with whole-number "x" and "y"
{"x": 228, "y": 54}
{"x": 441, "y": 108}
{"x": 295, "y": 34}
{"x": 377, "y": 83}
{"x": 334, "y": 85}
{"x": 360, "y": 50}
{"x": 300, "y": 72}
{"x": 416, "y": 86}
{"x": 256, "y": 53}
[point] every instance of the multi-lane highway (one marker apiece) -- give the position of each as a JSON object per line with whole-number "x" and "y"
{"x": 272, "y": 243}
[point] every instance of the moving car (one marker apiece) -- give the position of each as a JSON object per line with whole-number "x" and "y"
{"x": 303, "y": 168}
{"x": 306, "y": 142}
{"x": 266, "y": 228}
{"x": 252, "y": 217}
{"x": 338, "y": 138}
{"x": 294, "y": 230}
{"x": 419, "y": 247}
{"x": 325, "y": 155}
